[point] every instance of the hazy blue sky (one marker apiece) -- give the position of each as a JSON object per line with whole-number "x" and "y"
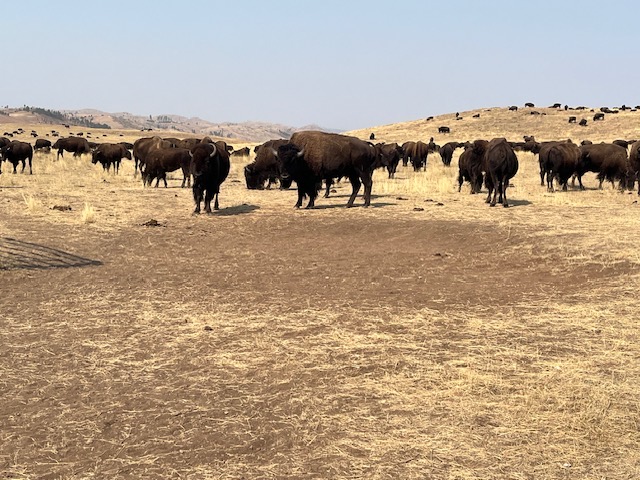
{"x": 343, "y": 64}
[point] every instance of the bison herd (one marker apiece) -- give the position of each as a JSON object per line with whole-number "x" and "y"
{"x": 310, "y": 157}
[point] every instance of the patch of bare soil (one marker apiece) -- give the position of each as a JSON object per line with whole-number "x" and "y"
{"x": 301, "y": 345}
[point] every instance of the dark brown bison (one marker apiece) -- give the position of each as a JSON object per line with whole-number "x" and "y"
{"x": 242, "y": 152}
{"x": 623, "y": 143}
{"x": 513, "y": 108}
{"x": 141, "y": 149}
{"x": 586, "y": 142}
{"x": 500, "y": 165}
{"x": 76, "y": 145}
{"x": 391, "y": 153}
{"x": 444, "y": 129}
{"x": 309, "y": 157}
{"x": 543, "y": 152}
{"x": 529, "y": 105}
{"x": 187, "y": 143}
{"x": 447, "y": 150}
{"x": 108, "y": 154}
{"x": 556, "y": 105}
{"x": 160, "y": 161}
{"x": 470, "y": 165}
{"x": 598, "y": 116}
{"x": 42, "y": 144}
{"x": 16, "y": 152}
{"x": 406, "y": 148}
{"x": 418, "y": 153}
{"x": 572, "y": 119}
{"x": 634, "y": 163}
{"x": 583, "y": 122}
{"x": 210, "y": 167}
{"x": 560, "y": 163}
{"x": 265, "y": 168}
{"x": 372, "y": 136}
{"x": 609, "y": 161}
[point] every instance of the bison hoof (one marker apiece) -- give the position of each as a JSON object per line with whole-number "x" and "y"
{"x": 505, "y": 205}
{"x": 492, "y": 204}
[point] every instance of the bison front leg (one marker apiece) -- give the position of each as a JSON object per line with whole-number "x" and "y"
{"x": 328, "y": 182}
{"x": 208, "y": 196}
{"x": 301, "y": 196}
{"x": 198, "y": 195}
{"x": 368, "y": 184}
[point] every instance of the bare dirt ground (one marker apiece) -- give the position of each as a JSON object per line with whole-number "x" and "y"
{"x": 429, "y": 336}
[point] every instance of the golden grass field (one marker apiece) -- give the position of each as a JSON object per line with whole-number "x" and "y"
{"x": 429, "y": 336}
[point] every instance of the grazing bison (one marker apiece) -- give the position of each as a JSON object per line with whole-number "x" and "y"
{"x": 543, "y": 152}
{"x": 476, "y": 115}
{"x": 583, "y": 122}
{"x": 76, "y": 145}
{"x": 622, "y": 143}
{"x": 608, "y": 160}
{"x": 446, "y": 151}
{"x": 529, "y": 105}
{"x": 310, "y": 157}
{"x": 500, "y": 165}
{"x": 586, "y": 142}
{"x": 242, "y": 152}
{"x": 556, "y": 105}
{"x": 444, "y": 129}
{"x": 560, "y": 163}
{"x": 210, "y": 166}
{"x": 470, "y": 165}
{"x": 160, "y": 161}
{"x": 265, "y": 168}
{"x": 513, "y": 108}
{"x": 110, "y": 154}
{"x": 16, "y": 152}
{"x": 42, "y": 144}
{"x": 573, "y": 119}
{"x": 598, "y": 116}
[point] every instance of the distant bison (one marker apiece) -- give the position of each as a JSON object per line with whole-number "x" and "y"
{"x": 572, "y": 119}
{"x": 42, "y": 144}
{"x": 242, "y": 152}
{"x": 447, "y": 150}
{"x": 529, "y": 105}
{"x": 513, "y": 108}
{"x": 418, "y": 153}
{"x": 598, "y": 116}
{"x": 583, "y": 122}
{"x": 444, "y": 130}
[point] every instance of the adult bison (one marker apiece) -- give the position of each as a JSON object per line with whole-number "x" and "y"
{"x": 418, "y": 153}
{"x": 560, "y": 163}
{"x": 310, "y": 156}
{"x": 446, "y": 151}
{"x": 470, "y": 165}
{"x": 444, "y": 129}
{"x": 160, "y": 161}
{"x": 390, "y": 153}
{"x": 609, "y": 161}
{"x": 265, "y": 168}
{"x": 543, "y": 153}
{"x": 406, "y": 148}
{"x": 598, "y": 116}
{"x": 143, "y": 146}
{"x": 16, "y": 152}
{"x": 242, "y": 152}
{"x": 42, "y": 144}
{"x": 75, "y": 145}
{"x": 210, "y": 166}
{"x": 108, "y": 154}
{"x": 500, "y": 165}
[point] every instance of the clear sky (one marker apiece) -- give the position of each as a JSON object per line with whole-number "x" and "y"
{"x": 341, "y": 64}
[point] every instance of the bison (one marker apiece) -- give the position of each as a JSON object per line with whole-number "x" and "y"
{"x": 598, "y": 116}
{"x": 500, "y": 165}
{"x": 470, "y": 165}
{"x": 210, "y": 166}
{"x": 160, "y": 161}
{"x": 418, "y": 153}
{"x": 310, "y": 156}
{"x": 583, "y": 122}
{"x": 560, "y": 163}
{"x": 76, "y": 145}
{"x": 444, "y": 129}
{"x": 608, "y": 160}
{"x": 390, "y": 154}
{"x": 16, "y": 152}
{"x": 242, "y": 152}
{"x": 142, "y": 147}
{"x": 447, "y": 150}
{"x": 572, "y": 119}
{"x": 406, "y": 148}
{"x": 265, "y": 167}
{"x": 110, "y": 154}
{"x": 634, "y": 162}
{"x": 42, "y": 144}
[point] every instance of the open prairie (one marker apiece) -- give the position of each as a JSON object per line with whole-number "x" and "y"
{"x": 429, "y": 336}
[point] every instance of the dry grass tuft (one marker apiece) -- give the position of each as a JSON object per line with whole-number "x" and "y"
{"x": 88, "y": 214}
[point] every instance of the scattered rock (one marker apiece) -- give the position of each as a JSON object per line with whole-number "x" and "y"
{"x": 61, "y": 208}
{"x": 418, "y": 209}
{"x": 439, "y": 204}
{"x": 401, "y": 198}
{"x": 207, "y": 328}
{"x": 333, "y": 190}
{"x": 429, "y": 200}
{"x": 152, "y": 223}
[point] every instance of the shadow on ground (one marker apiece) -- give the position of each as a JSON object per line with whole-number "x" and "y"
{"x": 17, "y": 254}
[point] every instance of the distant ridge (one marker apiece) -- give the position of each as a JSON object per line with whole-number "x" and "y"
{"x": 249, "y": 131}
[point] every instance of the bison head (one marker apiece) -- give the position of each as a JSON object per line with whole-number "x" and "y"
{"x": 290, "y": 161}
{"x": 254, "y": 178}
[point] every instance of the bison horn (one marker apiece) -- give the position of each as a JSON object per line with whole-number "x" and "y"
{"x": 300, "y": 153}
{"x": 274, "y": 152}
{"x": 215, "y": 150}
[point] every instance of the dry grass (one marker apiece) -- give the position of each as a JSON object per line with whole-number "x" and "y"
{"x": 429, "y": 336}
